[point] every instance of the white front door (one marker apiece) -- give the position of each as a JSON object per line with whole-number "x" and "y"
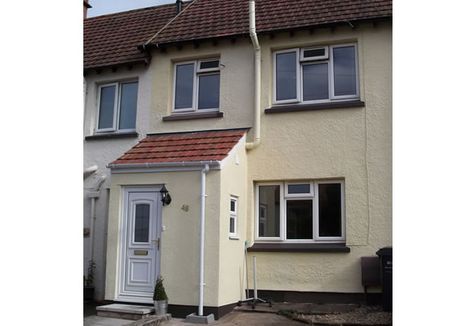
{"x": 140, "y": 241}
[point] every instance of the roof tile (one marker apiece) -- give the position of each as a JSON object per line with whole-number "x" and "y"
{"x": 206, "y": 19}
{"x": 183, "y": 147}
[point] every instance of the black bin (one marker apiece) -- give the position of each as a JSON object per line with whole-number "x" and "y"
{"x": 386, "y": 258}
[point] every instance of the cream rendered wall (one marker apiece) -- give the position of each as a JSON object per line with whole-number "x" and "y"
{"x": 232, "y": 275}
{"x": 181, "y": 239}
{"x": 236, "y": 86}
{"x": 103, "y": 151}
{"x": 353, "y": 144}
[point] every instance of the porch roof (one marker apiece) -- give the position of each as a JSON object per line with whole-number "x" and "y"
{"x": 180, "y": 147}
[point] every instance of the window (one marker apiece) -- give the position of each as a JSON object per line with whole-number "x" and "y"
{"x": 301, "y": 211}
{"x": 318, "y": 74}
{"x": 233, "y": 216}
{"x": 197, "y": 86}
{"x": 117, "y": 106}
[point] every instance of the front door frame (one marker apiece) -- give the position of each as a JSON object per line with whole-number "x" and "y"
{"x": 126, "y": 190}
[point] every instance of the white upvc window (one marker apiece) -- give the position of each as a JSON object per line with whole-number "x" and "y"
{"x": 233, "y": 217}
{"x": 117, "y": 106}
{"x": 316, "y": 74}
{"x": 306, "y": 211}
{"x": 196, "y": 86}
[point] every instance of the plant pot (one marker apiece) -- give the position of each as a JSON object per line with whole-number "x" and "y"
{"x": 89, "y": 293}
{"x": 161, "y": 307}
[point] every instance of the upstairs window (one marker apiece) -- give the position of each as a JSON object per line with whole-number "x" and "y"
{"x": 301, "y": 212}
{"x": 316, "y": 74}
{"x": 197, "y": 86}
{"x": 117, "y": 106}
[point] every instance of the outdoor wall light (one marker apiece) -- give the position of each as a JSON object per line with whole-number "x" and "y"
{"x": 165, "y": 196}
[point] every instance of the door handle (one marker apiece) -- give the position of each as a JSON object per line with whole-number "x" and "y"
{"x": 158, "y": 242}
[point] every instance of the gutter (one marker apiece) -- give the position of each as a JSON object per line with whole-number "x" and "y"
{"x": 257, "y": 93}
{"x": 196, "y": 164}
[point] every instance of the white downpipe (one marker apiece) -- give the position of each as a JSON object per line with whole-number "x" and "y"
{"x": 203, "y": 174}
{"x": 93, "y": 196}
{"x": 257, "y": 95}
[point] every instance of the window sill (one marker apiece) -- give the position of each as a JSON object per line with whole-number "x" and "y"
{"x": 299, "y": 247}
{"x": 233, "y": 237}
{"x": 314, "y": 107}
{"x": 192, "y": 116}
{"x": 132, "y": 134}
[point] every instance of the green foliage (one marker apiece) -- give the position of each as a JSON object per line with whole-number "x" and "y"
{"x": 89, "y": 280}
{"x": 159, "y": 292}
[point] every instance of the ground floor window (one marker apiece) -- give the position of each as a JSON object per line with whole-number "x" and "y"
{"x": 309, "y": 211}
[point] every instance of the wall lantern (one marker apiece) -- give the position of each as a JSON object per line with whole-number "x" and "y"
{"x": 165, "y": 196}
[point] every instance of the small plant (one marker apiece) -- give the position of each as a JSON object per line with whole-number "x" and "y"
{"x": 159, "y": 292}
{"x": 89, "y": 280}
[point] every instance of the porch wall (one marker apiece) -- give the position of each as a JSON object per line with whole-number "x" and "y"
{"x": 232, "y": 259}
{"x": 180, "y": 241}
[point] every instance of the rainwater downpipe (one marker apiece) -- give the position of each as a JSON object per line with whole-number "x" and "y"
{"x": 93, "y": 196}
{"x": 257, "y": 95}
{"x": 203, "y": 174}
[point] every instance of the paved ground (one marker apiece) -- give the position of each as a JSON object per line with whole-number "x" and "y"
{"x": 243, "y": 319}
{"x": 105, "y": 321}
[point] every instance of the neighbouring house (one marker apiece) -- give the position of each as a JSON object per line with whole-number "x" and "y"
{"x": 270, "y": 133}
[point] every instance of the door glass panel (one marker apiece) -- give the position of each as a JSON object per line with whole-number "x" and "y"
{"x": 142, "y": 212}
{"x": 330, "y": 210}
{"x": 299, "y": 219}
{"x": 269, "y": 208}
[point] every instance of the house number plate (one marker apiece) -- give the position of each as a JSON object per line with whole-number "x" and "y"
{"x": 140, "y": 252}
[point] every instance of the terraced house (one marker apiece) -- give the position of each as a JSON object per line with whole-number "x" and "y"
{"x": 212, "y": 126}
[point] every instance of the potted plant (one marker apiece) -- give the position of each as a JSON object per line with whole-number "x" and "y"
{"x": 160, "y": 298}
{"x": 89, "y": 287}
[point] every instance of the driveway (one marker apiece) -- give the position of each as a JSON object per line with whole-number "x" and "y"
{"x": 236, "y": 318}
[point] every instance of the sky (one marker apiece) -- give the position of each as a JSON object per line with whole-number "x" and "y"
{"x": 102, "y": 7}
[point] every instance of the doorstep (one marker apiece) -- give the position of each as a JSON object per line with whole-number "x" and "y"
{"x": 125, "y": 311}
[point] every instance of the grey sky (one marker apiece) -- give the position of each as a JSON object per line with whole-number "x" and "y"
{"x": 102, "y": 7}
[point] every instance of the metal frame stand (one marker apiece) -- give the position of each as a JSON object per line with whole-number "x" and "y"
{"x": 255, "y": 300}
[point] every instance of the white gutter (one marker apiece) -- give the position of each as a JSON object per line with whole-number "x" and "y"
{"x": 257, "y": 95}
{"x": 204, "y": 172}
{"x": 199, "y": 164}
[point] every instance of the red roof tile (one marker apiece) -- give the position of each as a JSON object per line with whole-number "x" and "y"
{"x": 206, "y": 19}
{"x": 113, "y": 39}
{"x": 183, "y": 147}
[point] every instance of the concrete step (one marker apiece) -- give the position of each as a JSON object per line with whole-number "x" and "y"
{"x": 125, "y": 311}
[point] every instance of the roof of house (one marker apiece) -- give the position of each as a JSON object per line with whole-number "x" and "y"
{"x": 183, "y": 147}
{"x": 113, "y": 39}
{"x": 206, "y": 19}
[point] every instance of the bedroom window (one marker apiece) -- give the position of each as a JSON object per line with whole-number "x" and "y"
{"x": 117, "y": 106}
{"x": 197, "y": 86}
{"x": 316, "y": 74}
